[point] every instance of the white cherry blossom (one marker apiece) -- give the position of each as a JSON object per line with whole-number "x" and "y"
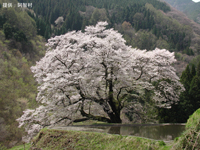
{"x": 96, "y": 66}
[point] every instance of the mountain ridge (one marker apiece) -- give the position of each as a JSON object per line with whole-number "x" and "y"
{"x": 139, "y": 25}
{"x": 190, "y": 8}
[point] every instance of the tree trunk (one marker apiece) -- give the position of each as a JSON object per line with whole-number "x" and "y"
{"x": 116, "y": 112}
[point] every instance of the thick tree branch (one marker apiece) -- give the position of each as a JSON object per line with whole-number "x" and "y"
{"x": 73, "y": 61}
{"x": 101, "y": 102}
{"x": 71, "y": 120}
{"x": 106, "y": 75}
{"x": 99, "y": 118}
{"x": 62, "y": 119}
{"x": 61, "y": 61}
{"x": 151, "y": 78}
{"x": 120, "y": 90}
{"x": 62, "y": 102}
{"x": 140, "y": 73}
{"x": 115, "y": 110}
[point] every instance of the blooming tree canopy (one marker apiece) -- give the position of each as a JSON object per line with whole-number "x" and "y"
{"x": 98, "y": 67}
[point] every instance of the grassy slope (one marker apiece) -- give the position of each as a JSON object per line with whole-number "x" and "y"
{"x": 49, "y": 139}
{"x": 21, "y": 147}
{"x": 57, "y": 139}
{"x": 190, "y": 139}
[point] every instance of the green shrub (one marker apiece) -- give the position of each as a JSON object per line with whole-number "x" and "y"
{"x": 162, "y": 143}
{"x": 190, "y": 140}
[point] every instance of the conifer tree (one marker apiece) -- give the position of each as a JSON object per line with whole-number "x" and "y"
{"x": 198, "y": 69}
{"x": 195, "y": 92}
{"x": 186, "y": 78}
{"x": 188, "y": 103}
{"x": 193, "y": 70}
{"x": 8, "y": 30}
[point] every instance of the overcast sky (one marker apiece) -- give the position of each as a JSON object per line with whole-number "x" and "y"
{"x": 196, "y": 0}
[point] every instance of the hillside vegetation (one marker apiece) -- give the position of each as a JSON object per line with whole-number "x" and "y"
{"x": 58, "y": 139}
{"x": 144, "y": 24}
{"x": 190, "y": 8}
{"x": 190, "y": 138}
{"x": 20, "y": 47}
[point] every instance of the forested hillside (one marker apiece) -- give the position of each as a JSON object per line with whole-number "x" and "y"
{"x": 144, "y": 24}
{"x": 190, "y": 8}
{"x": 20, "y": 47}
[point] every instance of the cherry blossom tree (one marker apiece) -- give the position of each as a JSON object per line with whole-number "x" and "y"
{"x": 97, "y": 67}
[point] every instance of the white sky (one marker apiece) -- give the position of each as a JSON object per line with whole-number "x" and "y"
{"x": 196, "y": 0}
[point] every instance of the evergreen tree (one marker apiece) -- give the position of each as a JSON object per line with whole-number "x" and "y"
{"x": 189, "y": 99}
{"x": 193, "y": 70}
{"x": 95, "y": 17}
{"x": 186, "y": 78}
{"x": 47, "y": 33}
{"x": 195, "y": 92}
{"x": 2, "y": 20}
{"x": 8, "y": 30}
{"x": 20, "y": 36}
{"x": 198, "y": 69}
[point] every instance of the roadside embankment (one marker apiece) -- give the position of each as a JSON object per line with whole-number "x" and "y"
{"x": 190, "y": 139}
{"x": 51, "y": 139}
{"x": 60, "y": 139}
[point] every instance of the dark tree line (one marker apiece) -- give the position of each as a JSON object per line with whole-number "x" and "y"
{"x": 117, "y": 11}
{"x": 12, "y": 32}
{"x": 43, "y": 28}
{"x": 50, "y": 10}
{"x": 20, "y": 48}
{"x": 189, "y": 99}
